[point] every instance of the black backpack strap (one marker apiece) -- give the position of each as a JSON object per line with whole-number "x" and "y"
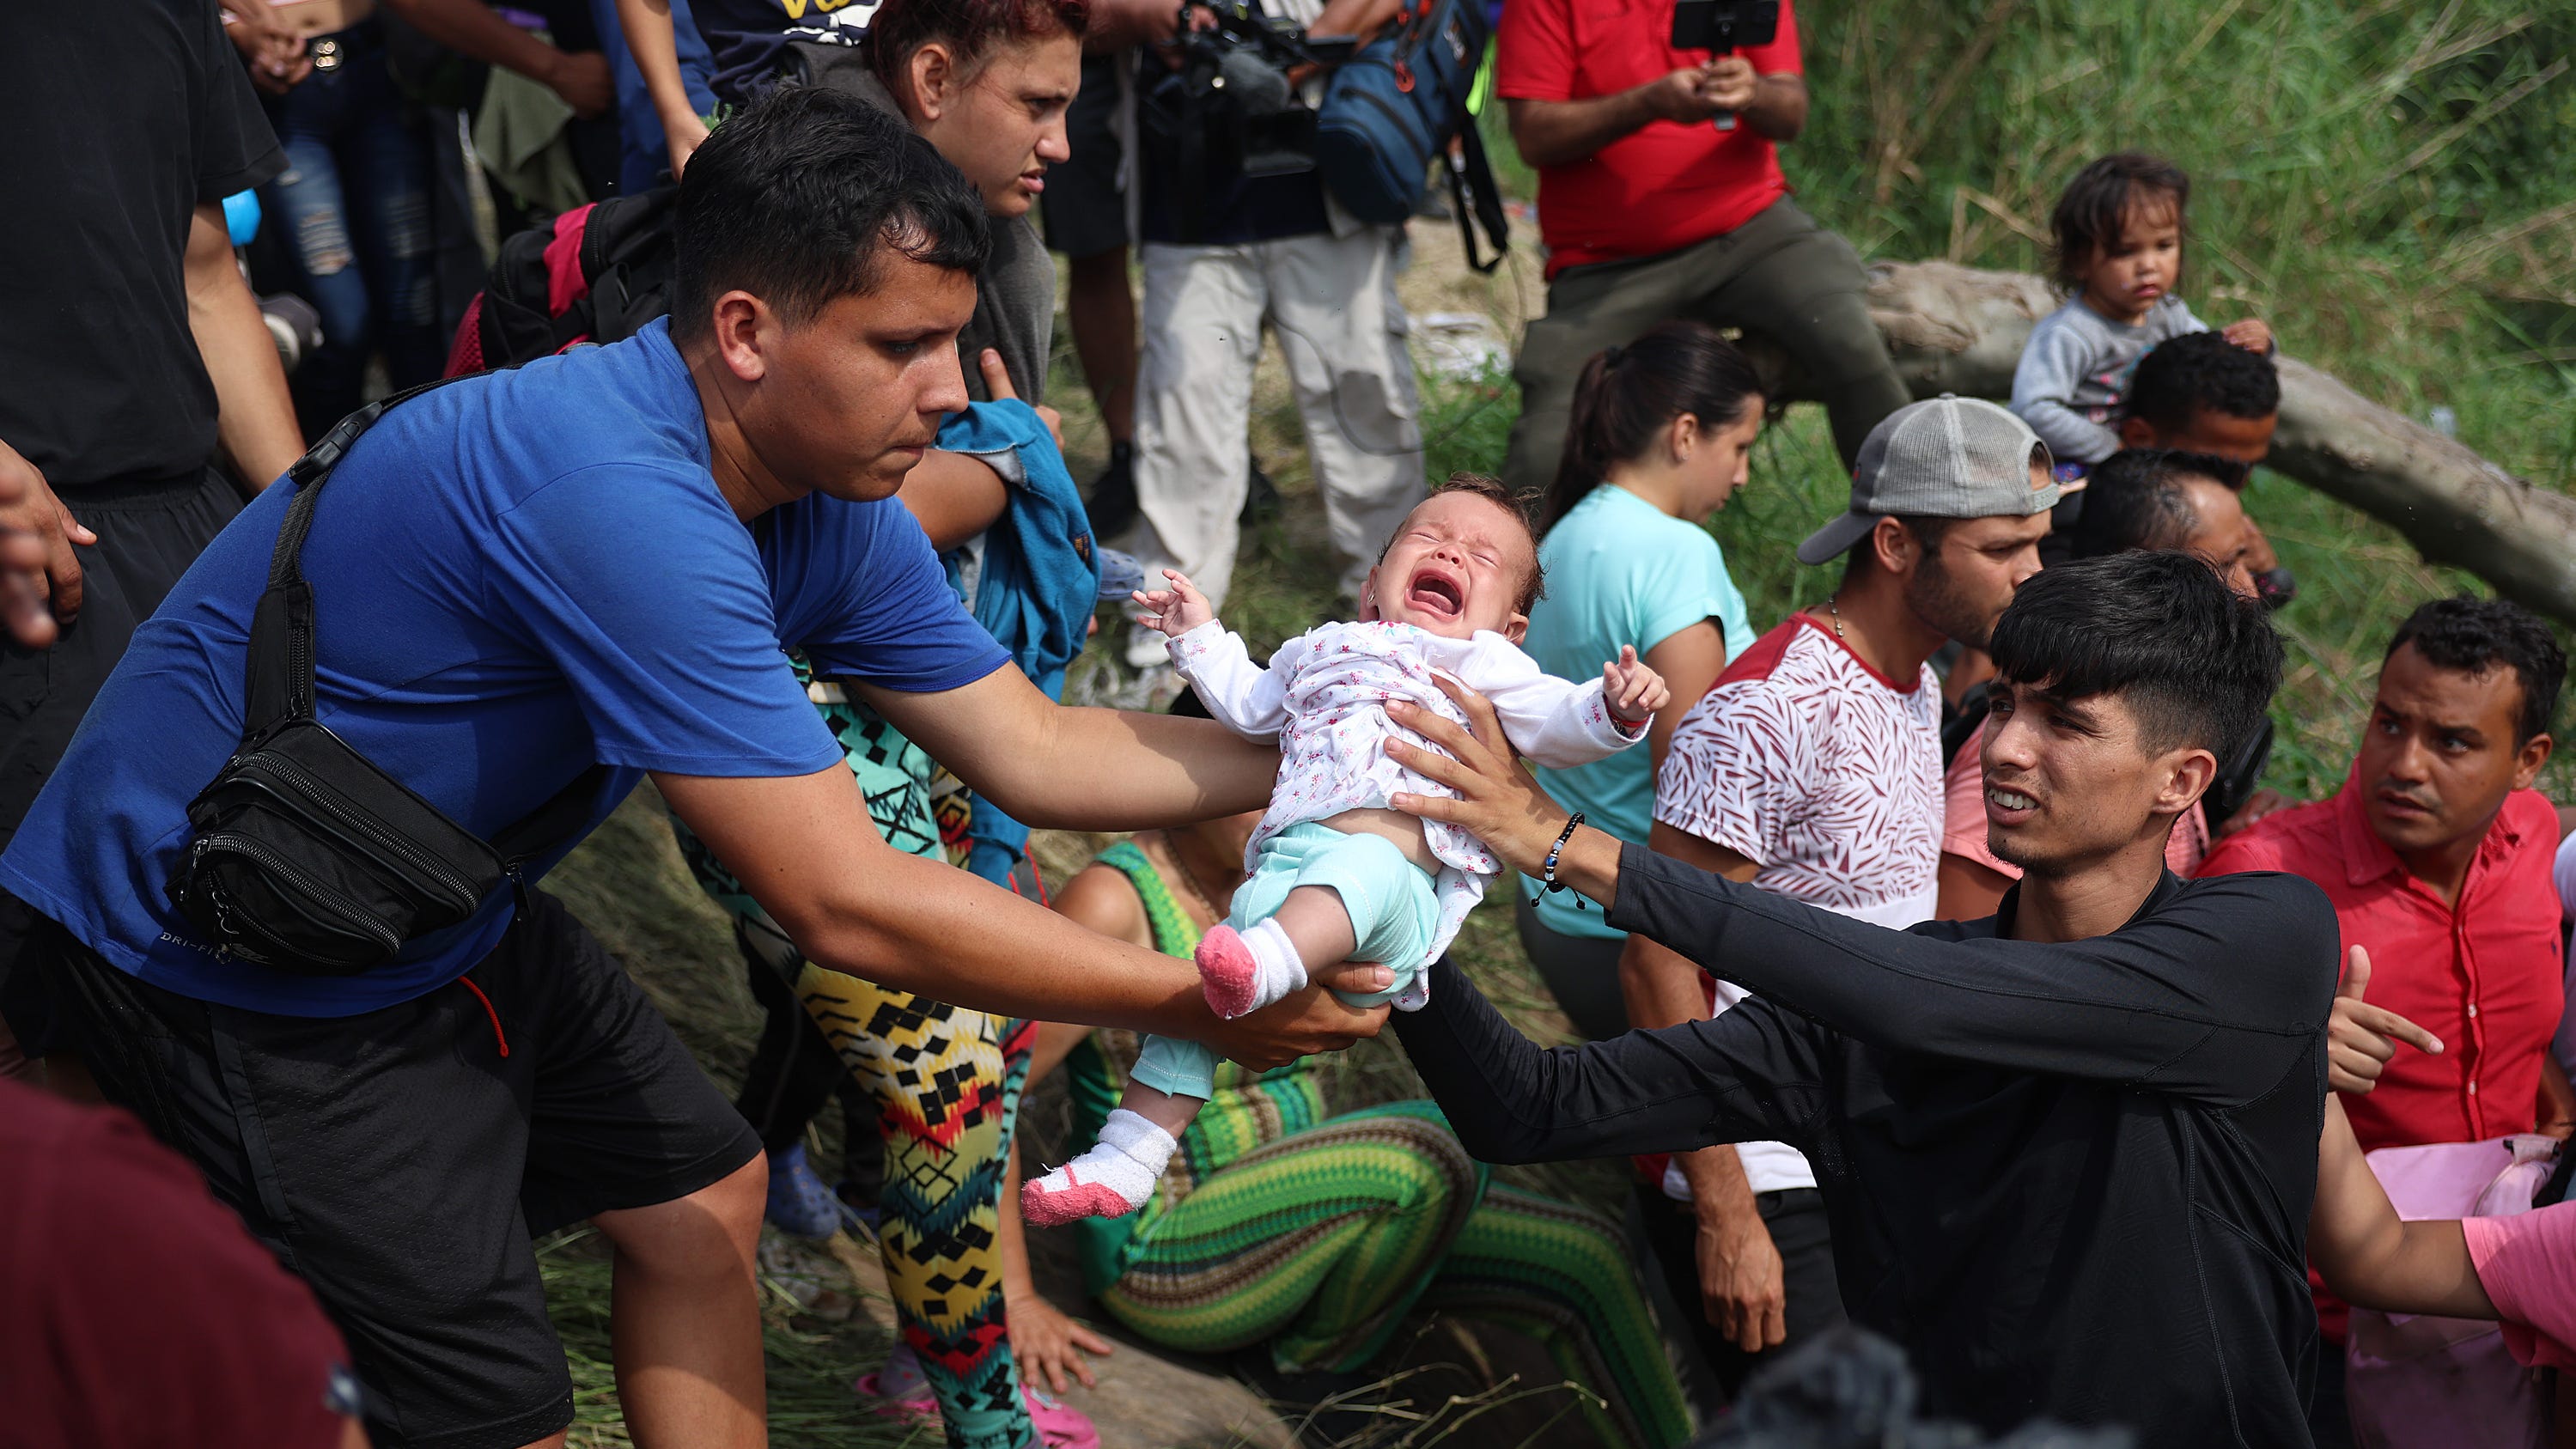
{"x": 282, "y": 649}
{"x": 1963, "y": 724}
{"x": 2238, "y": 776}
{"x": 554, "y": 822}
{"x": 1473, "y": 197}
{"x": 573, "y": 324}
{"x": 280, "y": 683}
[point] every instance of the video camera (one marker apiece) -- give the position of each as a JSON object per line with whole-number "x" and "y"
{"x": 1227, "y": 107}
{"x": 1722, "y": 27}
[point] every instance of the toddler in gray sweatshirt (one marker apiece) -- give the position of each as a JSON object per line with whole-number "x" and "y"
{"x": 2119, "y": 234}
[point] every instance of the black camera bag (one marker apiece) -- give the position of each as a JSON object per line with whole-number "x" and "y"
{"x": 306, "y": 857}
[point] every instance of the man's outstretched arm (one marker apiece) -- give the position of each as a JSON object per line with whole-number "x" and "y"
{"x": 806, "y": 850}
{"x": 2167, "y": 1005}
{"x": 2371, "y": 1258}
{"x": 1749, "y": 1076}
{"x": 1058, "y": 767}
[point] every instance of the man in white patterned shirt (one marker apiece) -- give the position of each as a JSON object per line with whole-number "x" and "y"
{"x": 1813, "y": 768}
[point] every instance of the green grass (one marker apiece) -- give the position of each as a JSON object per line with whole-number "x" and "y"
{"x": 811, "y": 1362}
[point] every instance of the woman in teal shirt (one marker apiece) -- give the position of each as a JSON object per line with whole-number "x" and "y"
{"x": 1659, "y": 438}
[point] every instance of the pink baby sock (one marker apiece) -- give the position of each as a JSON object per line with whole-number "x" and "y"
{"x": 1244, "y": 971}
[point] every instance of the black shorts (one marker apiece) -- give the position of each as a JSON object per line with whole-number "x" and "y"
{"x": 1084, "y": 211}
{"x": 149, "y": 532}
{"x": 401, "y": 1160}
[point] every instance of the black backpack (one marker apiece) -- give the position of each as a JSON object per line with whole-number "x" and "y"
{"x": 609, "y": 263}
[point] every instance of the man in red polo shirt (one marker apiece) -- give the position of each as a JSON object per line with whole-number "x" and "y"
{"x": 1660, "y": 196}
{"x": 2437, "y": 854}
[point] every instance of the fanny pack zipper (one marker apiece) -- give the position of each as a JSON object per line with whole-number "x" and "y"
{"x": 315, "y": 893}
{"x": 461, "y": 894}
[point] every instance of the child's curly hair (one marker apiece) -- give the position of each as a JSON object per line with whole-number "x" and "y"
{"x": 2089, "y": 213}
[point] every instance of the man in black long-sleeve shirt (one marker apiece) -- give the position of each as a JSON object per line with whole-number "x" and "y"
{"x": 2068, "y": 1151}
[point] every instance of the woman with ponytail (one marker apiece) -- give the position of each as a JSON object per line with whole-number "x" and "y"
{"x": 1658, "y": 440}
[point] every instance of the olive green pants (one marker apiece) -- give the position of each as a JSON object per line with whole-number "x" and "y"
{"x": 1780, "y": 275}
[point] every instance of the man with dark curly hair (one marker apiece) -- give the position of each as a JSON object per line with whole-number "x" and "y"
{"x": 2437, "y": 853}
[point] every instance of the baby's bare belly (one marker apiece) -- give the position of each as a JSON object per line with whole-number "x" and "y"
{"x": 1393, "y": 825}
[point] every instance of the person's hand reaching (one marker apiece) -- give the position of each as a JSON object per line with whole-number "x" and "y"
{"x": 1493, "y": 798}
{"x": 997, "y": 385}
{"x": 2253, "y": 334}
{"x": 40, "y": 576}
{"x": 1044, "y": 1340}
{"x": 685, "y": 133}
{"x": 1303, "y": 1023}
{"x": 1178, "y": 609}
{"x": 584, "y": 81}
{"x": 1635, "y": 691}
{"x": 2360, "y": 1037}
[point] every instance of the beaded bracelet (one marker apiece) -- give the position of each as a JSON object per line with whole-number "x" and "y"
{"x": 1547, "y": 873}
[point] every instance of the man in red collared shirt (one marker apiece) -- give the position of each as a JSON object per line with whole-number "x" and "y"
{"x": 2437, "y": 854}
{"x": 1651, "y": 211}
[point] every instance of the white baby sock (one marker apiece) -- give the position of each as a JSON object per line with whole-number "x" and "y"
{"x": 1111, "y": 1180}
{"x": 1277, "y": 968}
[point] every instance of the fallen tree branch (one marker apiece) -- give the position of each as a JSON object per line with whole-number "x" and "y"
{"x": 1958, "y": 329}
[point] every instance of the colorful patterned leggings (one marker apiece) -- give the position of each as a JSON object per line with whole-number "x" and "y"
{"x": 947, "y": 1088}
{"x": 1321, "y": 1242}
{"x": 946, "y": 1082}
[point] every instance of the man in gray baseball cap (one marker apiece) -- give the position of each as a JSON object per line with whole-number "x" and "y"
{"x": 1813, "y": 769}
{"x": 1947, "y": 457}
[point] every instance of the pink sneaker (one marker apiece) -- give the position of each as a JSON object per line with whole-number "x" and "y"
{"x": 1045, "y": 1207}
{"x": 1059, "y": 1424}
{"x": 1227, "y": 972}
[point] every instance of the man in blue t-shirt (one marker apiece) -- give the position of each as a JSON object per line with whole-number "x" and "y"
{"x": 603, "y": 557}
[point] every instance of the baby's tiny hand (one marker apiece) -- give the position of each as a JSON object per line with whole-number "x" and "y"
{"x": 1178, "y": 609}
{"x": 1634, "y": 690}
{"x": 2253, "y": 334}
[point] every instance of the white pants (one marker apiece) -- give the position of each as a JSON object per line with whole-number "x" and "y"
{"x": 1332, "y": 302}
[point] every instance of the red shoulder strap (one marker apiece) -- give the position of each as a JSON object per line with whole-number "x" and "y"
{"x": 565, "y": 283}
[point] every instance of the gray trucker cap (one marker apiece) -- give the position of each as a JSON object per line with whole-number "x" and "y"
{"x": 1944, "y": 457}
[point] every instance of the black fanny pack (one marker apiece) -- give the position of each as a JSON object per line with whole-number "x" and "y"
{"x": 306, "y": 857}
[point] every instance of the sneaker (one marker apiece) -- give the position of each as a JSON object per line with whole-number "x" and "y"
{"x": 808, "y": 1274}
{"x": 1122, "y": 575}
{"x": 1146, "y": 649}
{"x": 1059, "y": 1424}
{"x": 1113, "y": 493}
{"x": 799, "y": 1204}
